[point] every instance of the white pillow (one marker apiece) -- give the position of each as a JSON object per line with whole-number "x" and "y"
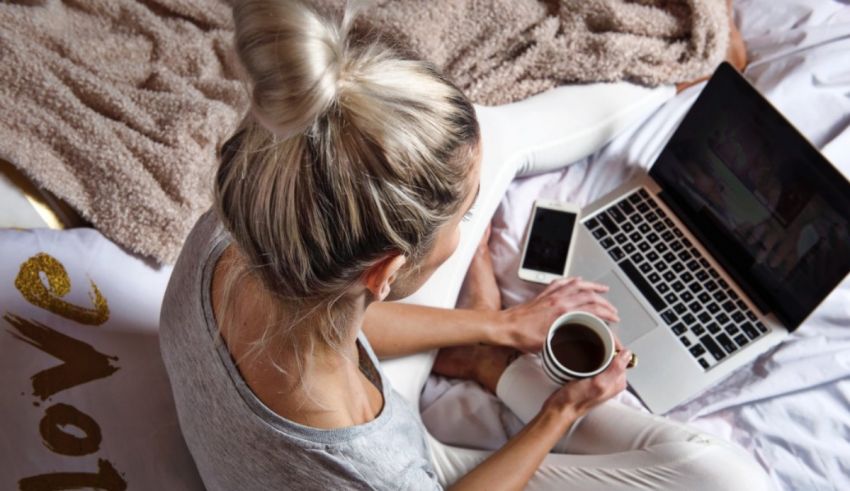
{"x": 84, "y": 397}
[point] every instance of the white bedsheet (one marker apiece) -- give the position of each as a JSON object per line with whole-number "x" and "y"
{"x": 791, "y": 408}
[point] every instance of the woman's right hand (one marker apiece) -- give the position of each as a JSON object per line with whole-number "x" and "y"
{"x": 576, "y": 398}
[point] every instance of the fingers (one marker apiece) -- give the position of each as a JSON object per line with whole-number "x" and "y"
{"x": 558, "y": 284}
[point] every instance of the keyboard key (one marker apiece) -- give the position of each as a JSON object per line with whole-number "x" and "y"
{"x": 643, "y": 194}
{"x": 637, "y": 258}
{"x": 727, "y": 343}
{"x": 742, "y": 305}
{"x": 662, "y": 288}
{"x": 685, "y": 256}
{"x": 669, "y": 257}
{"x": 670, "y": 317}
{"x": 652, "y": 256}
{"x": 599, "y": 233}
{"x": 738, "y": 317}
{"x": 686, "y": 296}
{"x": 722, "y": 318}
{"x": 626, "y": 207}
{"x": 669, "y": 223}
{"x": 761, "y": 327}
{"x": 644, "y": 228}
{"x": 713, "y": 328}
{"x": 661, "y": 247}
{"x": 678, "y": 267}
{"x": 629, "y": 248}
{"x": 685, "y": 341}
{"x": 680, "y": 308}
{"x": 689, "y": 319}
{"x": 670, "y": 297}
{"x": 697, "y": 350}
{"x": 678, "y": 286}
{"x": 714, "y": 274}
{"x": 634, "y": 199}
{"x": 592, "y": 223}
{"x": 751, "y": 316}
{"x": 712, "y": 347}
{"x": 669, "y": 276}
{"x": 711, "y": 285}
{"x": 713, "y": 307}
{"x": 617, "y": 253}
{"x": 697, "y": 330}
{"x": 686, "y": 277}
{"x": 642, "y": 207}
{"x": 636, "y": 218}
{"x": 729, "y": 306}
{"x": 693, "y": 265}
{"x": 654, "y": 278}
{"x": 653, "y": 204}
{"x": 687, "y": 243}
{"x": 704, "y": 263}
{"x": 695, "y": 287}
{"x": 659, "y": 227}
{"x": 616, "y": 215}
{"x": 661, "y": 266}
{"x": 705, "y": 298}
{"x": 719, "y": 296}
{"x": 643, "y": 246}
{"x": 749, "y": 330}
{"x": 620, "y": 238}
{"x": 731, "y": 329}
{"x": 703, "y": 363}
{"x": 723, "y": 283}
{"x": 677, "y": 232}
{"x": 651, "y": 217}
{"x": 607, "y": 223}
{"x": 704, "y": 317}
{"x": 653, "y": 237}
{"x": 656, "y": 301}
{"x": 668, "y": 236}
{"x": 607, "y": 242}
{"x": 702, "y": 275}
{"x": 646, "y": 267}
{"x": 676, "y": 246}
{"x": 627, "y": 227}
{"x": 741, "y": 340}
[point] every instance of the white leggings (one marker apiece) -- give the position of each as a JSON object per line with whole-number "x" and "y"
{"x": 614, "y": 446}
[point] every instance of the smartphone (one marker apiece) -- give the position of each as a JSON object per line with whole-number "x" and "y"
{"x": 549, "y": 242}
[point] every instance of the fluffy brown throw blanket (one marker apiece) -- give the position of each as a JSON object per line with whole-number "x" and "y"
{"x": 119, "y": 106}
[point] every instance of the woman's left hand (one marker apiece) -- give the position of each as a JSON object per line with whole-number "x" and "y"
{"x": 525, "y": 326}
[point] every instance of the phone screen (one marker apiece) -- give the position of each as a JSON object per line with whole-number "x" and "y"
{"x": 549, "y": 240}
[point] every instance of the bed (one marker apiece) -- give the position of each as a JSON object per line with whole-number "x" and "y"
{"x": 117, "y": 428}
{"x": 791, "y": 408}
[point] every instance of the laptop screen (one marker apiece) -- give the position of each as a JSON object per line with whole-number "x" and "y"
{"x": 765, "y": 202}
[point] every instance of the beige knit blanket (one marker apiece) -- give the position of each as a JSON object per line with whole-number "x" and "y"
{"x": 119, "y": 106}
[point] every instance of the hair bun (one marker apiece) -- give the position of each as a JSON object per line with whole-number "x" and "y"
{"x": 293, "y": 58}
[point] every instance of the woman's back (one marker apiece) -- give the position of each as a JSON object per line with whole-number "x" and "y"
{"x": 236, "y": 441}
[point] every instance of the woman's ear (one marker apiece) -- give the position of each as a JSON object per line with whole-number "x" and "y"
{"x": 379, "y": 278}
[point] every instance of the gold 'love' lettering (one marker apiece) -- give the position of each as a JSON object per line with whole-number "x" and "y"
{"x": 82, "y": 362}
{"x": 60, "y": 441}
{"x": 48, "y": 297}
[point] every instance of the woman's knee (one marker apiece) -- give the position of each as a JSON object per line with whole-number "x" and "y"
{"x": 720, "y": 466}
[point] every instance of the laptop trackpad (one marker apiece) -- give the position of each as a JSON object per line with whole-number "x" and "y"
{"x": 635, "y": 321}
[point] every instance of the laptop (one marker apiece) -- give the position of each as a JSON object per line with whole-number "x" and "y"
{"x": 737, "y": 233}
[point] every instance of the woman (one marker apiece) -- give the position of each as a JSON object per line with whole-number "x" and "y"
{"x": 345, "y": 186}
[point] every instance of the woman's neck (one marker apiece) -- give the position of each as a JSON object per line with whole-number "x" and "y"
{"x": 327, "y": 390}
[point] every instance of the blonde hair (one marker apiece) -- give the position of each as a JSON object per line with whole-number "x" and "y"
{"x": 351, "y": 151}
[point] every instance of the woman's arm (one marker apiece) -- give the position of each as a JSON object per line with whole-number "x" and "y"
{"x": 396, "y": 329}
{"x": 512, "y": 466}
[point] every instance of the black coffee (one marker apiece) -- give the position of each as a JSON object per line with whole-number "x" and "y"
{"x": 578, "y": 348}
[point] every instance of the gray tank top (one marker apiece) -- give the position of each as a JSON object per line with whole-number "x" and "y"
{"x": 239, "y": 443}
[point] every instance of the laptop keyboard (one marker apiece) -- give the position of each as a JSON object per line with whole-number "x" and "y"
{"x": 709, "y": 318}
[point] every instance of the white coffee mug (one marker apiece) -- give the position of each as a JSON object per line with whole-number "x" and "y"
{"x": 595, "y": 335}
